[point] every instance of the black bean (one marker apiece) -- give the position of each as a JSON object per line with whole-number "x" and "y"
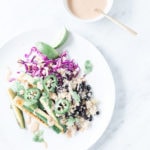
{"x": 83, "y": 109}
{"x": 60, "y": 104}
{"x": 88, "y": 87}
{"x": 89, "y": 94}
{"x": 66, "y": 86}
{"x": 71, "y": 100}
{"x": 55, "y": 90}
{"x": 60, "y": 82}
{"x": 66, "y": 115}
{"x": 67, "y": 90}
{"x": 78, "y": 128}
{"x": 68, "y": 77}
{"x": 84, "y": 105}
{"x": 80, "y": 113}
{"x": 90, "y": 118}
{"x": 53, "y": 101}
{"x": 80, "y": 95}
{"x": 86, "y": 98}
{"x": 83, "y": 112}
{"x": 77, "y": 108}
{"x": 86, "y": 117}
{"x": 83, "y": 84}
{"x": 78, "y": 88}
{"x": 72, "y": 115}
{"x": 81, "y": 88}
{"x": 45, "y": 112}
{"x": 64, "y": 78}
{"x": 97, "y": 113}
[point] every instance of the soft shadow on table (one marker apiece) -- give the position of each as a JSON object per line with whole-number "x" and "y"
{"x": 118, "y": 115}
{"x": 121, "y": 9}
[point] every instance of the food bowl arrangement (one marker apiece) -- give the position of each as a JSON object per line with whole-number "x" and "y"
{"x": 39, "y": 95}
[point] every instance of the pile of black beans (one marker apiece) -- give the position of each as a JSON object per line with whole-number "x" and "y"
{"x": 84, "y": 90}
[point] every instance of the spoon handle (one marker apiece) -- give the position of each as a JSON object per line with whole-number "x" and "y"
{"x": 123, "y": 26}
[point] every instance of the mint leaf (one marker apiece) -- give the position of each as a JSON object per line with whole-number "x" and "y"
{"x": 38, "y": 136}
{"x": 88, "y": 67}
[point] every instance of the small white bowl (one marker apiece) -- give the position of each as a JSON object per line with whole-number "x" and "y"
{"x": 106, "y": 10}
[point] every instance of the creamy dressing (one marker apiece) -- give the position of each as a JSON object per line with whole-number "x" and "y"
{"x": 87, "y": 9}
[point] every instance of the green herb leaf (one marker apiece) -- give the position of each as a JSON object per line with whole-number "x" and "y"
{"x": 71, "y": 121}
{"x": 38, "y": 136}
{"x": 17, "y": 87}
{"x": 30, "y": 103}
{"x": 47, "y": 50}
{"x": 88, "y": 67}
{"x": 75, "y": 96}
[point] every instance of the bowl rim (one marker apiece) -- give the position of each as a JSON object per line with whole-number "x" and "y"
{"x": 101, "y": 16}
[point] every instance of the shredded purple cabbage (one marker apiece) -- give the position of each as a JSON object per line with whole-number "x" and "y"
{"x": 12, "y": 79}
{"x": 39, "y": 65}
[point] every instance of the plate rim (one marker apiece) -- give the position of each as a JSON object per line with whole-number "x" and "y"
{"x": 97, "y": 49}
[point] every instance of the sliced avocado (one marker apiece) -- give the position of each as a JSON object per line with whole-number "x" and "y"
{"x": 18, "y": 113}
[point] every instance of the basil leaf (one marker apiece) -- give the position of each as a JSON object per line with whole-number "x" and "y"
{"x": 88, "y": 67}
{"x": 75, "y": 96}
{"x": 38, "y": 136}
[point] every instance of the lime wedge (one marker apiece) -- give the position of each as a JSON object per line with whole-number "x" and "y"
{"x": 50, "y": 51}
{"x": 63, "y": 35}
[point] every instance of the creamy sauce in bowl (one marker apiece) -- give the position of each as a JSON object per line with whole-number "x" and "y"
{"x": 87, "y": 9}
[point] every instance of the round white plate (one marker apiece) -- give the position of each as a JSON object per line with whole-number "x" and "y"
{"x": 79, "y": 49}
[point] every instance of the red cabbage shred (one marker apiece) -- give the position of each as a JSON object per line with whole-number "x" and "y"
{"x": 37, "y": 68}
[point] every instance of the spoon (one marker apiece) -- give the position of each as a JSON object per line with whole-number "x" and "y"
{"x": 120, "y": 24}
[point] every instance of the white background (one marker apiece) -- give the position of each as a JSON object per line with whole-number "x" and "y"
{"x": 128, "y": 57}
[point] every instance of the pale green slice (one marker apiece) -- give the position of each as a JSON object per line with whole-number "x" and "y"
{"x": 62, "y": 38}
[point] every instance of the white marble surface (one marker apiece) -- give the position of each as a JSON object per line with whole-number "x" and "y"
{"x": 128, "y": 57}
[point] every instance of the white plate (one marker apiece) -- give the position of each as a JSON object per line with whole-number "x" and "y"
{"x": 11, "y": 137}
